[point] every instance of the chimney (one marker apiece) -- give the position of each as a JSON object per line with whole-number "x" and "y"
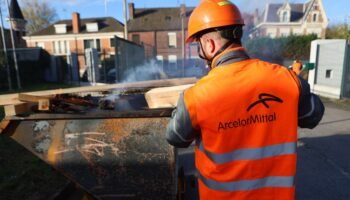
{"x": 131, "y": 10}
{"x": 183, "y": 10}
{"x": 256, "y": 16}
{"x": 76, "y": 22}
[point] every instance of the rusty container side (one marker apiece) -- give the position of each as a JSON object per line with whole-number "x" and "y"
{"x": 111, "y": 158}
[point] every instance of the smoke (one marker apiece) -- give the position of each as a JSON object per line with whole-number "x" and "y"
{"x": 149, "y": 71}
{"x": 121, "y": 102}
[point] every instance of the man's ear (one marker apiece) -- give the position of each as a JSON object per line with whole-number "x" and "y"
{"x": 211, "y": 46}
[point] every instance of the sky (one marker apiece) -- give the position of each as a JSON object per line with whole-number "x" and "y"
{"x": 337, "y": 10}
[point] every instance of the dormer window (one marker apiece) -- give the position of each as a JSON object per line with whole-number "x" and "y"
{"x": 92, "y": 27}
{"x": 285, "y": 16}
{"x": 60, "y": 28}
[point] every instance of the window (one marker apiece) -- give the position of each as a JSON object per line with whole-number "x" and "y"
{"x": 285, "y": 16}
{"x": 59, "y": 44}
{"x": 314, "y": 17}
{"x": 65, "y": 47}
{"x": 93, "y": 44}
{"x": 172, "y": 59}
{"x": 56, "y": 47}
{"x": 172, "y": 40}
{"x": 136, "y": 38}
{"x": 92, "y": 27}
{"x": 88, "y": 44}
{"x": 160, "y": 61}
{"x": 98, "y": 45}
{"x": 60, "y": 28}
{"x": 112, "y": 41}
{"x": 40, "y": 44}
{"x": 329, "y": 73}
{"x": 271, "y": 34}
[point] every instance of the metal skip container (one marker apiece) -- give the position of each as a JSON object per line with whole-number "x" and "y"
{"x": 110, "y": 154}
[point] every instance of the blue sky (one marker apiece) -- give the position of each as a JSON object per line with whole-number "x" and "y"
{"x": 335, "y": 9}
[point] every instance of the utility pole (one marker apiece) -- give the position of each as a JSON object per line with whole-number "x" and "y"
{"x": 14, "y": 48}
{"x": 125, "y": 21}
{"x": 5, "y": 51}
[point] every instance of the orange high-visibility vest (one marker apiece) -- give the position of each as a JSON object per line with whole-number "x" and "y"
{"x": 247, "y": 113}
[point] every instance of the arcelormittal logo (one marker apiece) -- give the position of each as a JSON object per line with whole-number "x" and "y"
{"x": 263, "y": 99}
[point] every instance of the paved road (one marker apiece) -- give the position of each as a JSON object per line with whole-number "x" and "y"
{"x": 323, "y": 171}
{"x": 324, "y": 157}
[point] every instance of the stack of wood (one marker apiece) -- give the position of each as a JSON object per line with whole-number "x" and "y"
{"x": 162, "y": 93}
{"x": 165, "y": 97}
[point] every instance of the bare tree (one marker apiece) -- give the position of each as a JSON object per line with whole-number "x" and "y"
{"x": 38, "y": 13}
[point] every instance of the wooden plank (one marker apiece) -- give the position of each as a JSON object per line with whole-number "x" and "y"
{"x": 13, "y": 110}
{"x": 14, "y": 98}
{"x": 165, "y": 97}
{"x": 3, "y": 125}
{"x": 32, "y": 98}
{"x": 9, "y": 99}
{"x": 43, "y": 101}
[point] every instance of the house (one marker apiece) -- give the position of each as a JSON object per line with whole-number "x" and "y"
{"x": 76, "y": 34}
{"x": 279, "y": 20}
{"x": 162, "y": 32}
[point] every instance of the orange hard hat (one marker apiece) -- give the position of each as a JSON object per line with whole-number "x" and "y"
{"x": 213, "y": 14}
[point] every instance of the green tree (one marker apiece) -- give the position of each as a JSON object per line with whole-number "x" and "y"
{"x": 38, "y": 13}
{"x": 278, "y": 49}
{"x": 338, "y": 31}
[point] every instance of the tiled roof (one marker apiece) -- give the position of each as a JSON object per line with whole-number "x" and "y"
{"x": 158, "y": 19}
{"x": 105, "y": 24}
{"x": 297, "y": 12}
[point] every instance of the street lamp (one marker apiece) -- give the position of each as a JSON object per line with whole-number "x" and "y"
{"x": 5, "y": 51}
{"x": 125, "y": 21}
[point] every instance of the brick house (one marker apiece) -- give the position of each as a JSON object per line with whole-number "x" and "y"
{"x": 76, "y": 35}
{"x": 278, "y": 20}
{"x": 162, "y": 32}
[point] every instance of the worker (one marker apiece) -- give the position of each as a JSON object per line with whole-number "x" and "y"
{"x": 243, "y": 115}
{"x": 297, "y": 66}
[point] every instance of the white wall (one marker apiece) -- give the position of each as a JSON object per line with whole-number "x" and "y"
{"x": 331, "y": 55}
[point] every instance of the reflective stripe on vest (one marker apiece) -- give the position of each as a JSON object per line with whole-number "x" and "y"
{"x": 272, "y": 181}
{"x": 249, "y": 153}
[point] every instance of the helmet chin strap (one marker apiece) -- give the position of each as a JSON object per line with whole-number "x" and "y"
{"x": 210, "y": 60}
